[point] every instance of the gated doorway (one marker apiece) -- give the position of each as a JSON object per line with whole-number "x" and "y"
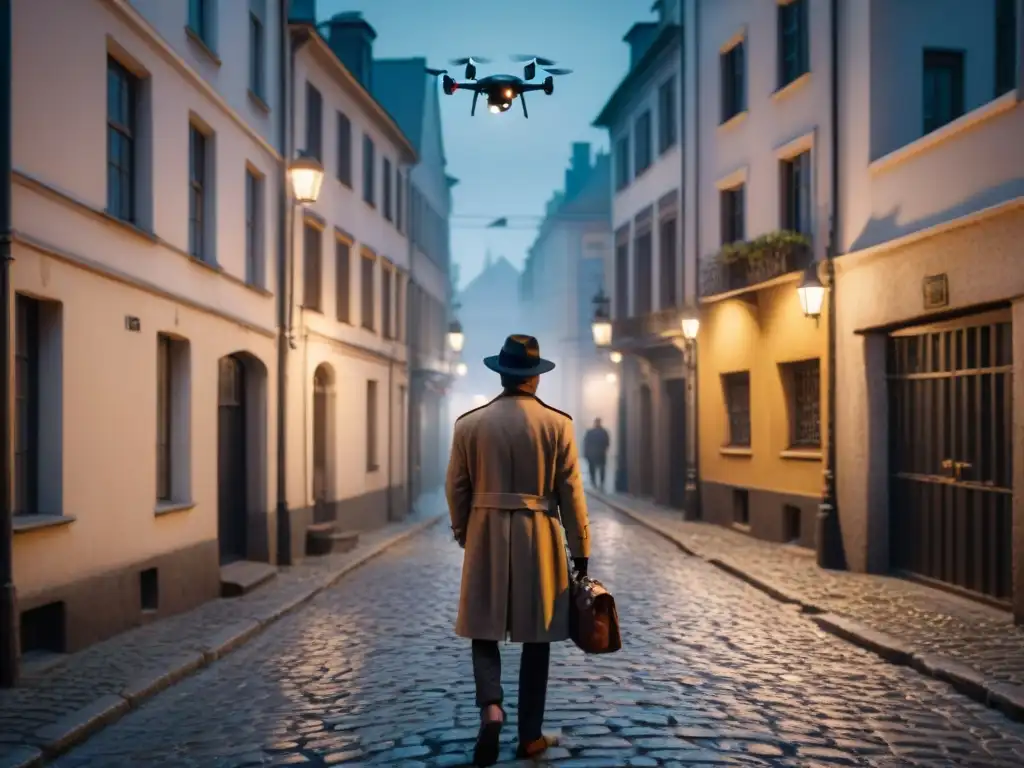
{"x": 675, "y": 396}
{"x": 232, "y": 491}
{"x": 646, "y": 438}
{"x": 322, "y": 384}
{"x": 950, "y": 445}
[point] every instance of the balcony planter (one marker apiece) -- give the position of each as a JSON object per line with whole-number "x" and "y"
{"x": 746, "y": 264}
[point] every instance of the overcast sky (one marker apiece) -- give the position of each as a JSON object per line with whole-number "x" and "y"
{"x": 508, "y": 166}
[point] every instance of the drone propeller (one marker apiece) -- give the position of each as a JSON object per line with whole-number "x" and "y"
{"x": 539, "y": 59}
{"x": 470, "y": 60}
{"x": 436, "y": 72}
{"x": 558, "y": 71}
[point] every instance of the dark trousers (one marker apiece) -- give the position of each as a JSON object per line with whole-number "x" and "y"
{"x": 533, "y": 683}
{"x": 596, "y": 469}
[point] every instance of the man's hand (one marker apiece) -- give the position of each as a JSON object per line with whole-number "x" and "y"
{"x": 460, "y": 537}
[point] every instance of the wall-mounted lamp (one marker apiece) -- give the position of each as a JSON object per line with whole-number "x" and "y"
{"x": 601, "y": 325}
{"x": 306, "y": 174}
{"x": 811, "y": 293}
{"x": 615, "y": 357}
{"x": 461, "y": 369}
{"x": 456, "y": 338}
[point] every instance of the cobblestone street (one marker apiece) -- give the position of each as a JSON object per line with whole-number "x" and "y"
{"x": 713, "y": 672}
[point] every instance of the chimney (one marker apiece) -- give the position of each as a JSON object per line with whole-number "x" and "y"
{"x": 579, "y": 169}
{"x": 302, "y": 12}
{"x": 351, "y": 38}
{"x": 639, "y": 39}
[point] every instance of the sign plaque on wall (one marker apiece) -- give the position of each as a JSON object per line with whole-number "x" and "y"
{"x": 936, "y": 291}
{"x": 132, "y": 324}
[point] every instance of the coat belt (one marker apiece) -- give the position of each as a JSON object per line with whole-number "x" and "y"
{"x": 512, "y": 501}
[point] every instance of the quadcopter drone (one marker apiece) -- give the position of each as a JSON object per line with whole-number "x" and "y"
{"x": 501, "y": 90}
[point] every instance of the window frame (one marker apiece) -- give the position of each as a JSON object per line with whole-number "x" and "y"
{"x": 372, "y": 405}
{"x": 27, "y": 404}
{"x": 126, "y": 134}
{"x": 343, "y": 280}
{"x": 623, "y": 162}
{"x": 254, "y": 210}
{"x": 935, "y": 60}
{"x": 199, "y": 201}
{"x": 344, "y": 169}
{"x": 795, "y": 193}
{"x": 386, "y": 299}
{"x": 314, "y": 122}
{"x": 667, "y": 123}
{"x": 732, "y": 205}
{"x": 1006, "y": 44}
{"x": 733, "y": 81}
{"x": 793, "y": 41}
{"x": 199, "y": 20}
{"x": 733, "y": 383}
{"x": 643, "y": 269}
{"x": 667, "y": 248}
{"x": 312, "y": 266}
{"x": 802, "y": 378}
{"x": 164, "y": 419}
{"x": 643, "y": 154}
{"x": 367, "y": 290}
{"x": 369, "y": 171}
{"x": 257, "y": 56}
{"x": 386, "y": 188}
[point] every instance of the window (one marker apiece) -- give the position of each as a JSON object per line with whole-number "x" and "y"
{"x": 371, "y": 426}
{"x": 622, "y": 278}
{"x": 385, "y": 301}
{"x": 172, "y": 420}
{"x": 642, "y": 143}
{"x": 667, "y": 242}
{"x": 803, "y": 384}
{"x": 314, "y": 123}
{"x": 344, "y": 150}
{"x": 199, "y": 20}
{"x": 27, "y": 406}
{"x": 400, "y": 287}
{"x": 622, "y": 163}
{"x": 793, "y": 41}
{"x": 200, "y": 162}
{"x": 257, "y": 63}
{"x": 732, "y": 215}
{"x": 1006, "y": 46}
{"x": 253, "y": 228}
{"x": 667, "y": 115}
{"x": 737, "y": 404}
{"x": 943, "y": 98}
{"x": 122, "y": 106}
{"x": 342, "y": 281}
{"x": 399, "y": 200}
{"x": 642, "y": 278}
{"x": 734, "y": 90}
{"x": 312, "y": 267}
{"x": 795, "y": 192}
{"x": 366, "y": 290}
{"x": 369, "y": 172}
{"x": 387, "y": 190}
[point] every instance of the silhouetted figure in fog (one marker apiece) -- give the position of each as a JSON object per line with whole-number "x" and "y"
{"x": 512, "y": 461}
{"x": 595, "y": 451}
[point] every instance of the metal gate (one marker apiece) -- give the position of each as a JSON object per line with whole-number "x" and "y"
{"x": 950, "y": 442}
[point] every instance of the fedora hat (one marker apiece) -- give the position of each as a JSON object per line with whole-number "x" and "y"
{"x": 519, "y": 356}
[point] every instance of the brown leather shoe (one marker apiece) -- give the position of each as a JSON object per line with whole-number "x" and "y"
{"x": 535, "y": 748}
{"x": 488, "y": 742}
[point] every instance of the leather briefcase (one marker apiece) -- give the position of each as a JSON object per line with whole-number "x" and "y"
{"x": 593, "y": 619}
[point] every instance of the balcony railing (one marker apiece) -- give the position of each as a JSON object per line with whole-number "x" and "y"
{"x": 740, "y": 266}
{"x": 649, "y": 329}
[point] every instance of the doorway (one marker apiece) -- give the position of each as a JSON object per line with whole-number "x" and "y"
{"x": 646, "y": 437}
{"x": 321, "y": 426}
{"x": 232, "y": 496}
{"x": 675, "y": 394}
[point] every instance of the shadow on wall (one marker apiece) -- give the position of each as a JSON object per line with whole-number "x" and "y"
{"x": 883, "y": 229}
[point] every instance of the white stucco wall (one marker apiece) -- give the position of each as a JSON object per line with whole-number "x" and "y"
{"x": 99, "y": 271}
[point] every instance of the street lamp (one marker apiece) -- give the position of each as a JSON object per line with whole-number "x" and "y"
{"x": 811, "y": 293}
{"x": 689, "y": 324}
{"x": 456, "y": 338}
{"x": 615, "y": 357}
{"x": 601, "y": 325}
{"x": 306, "y": 174}
{"x": 461, "y": 369}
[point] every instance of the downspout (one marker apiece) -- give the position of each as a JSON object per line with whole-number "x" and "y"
{"x": 411, "y": 353}
{"x": 8, "y": 594}
{"x": 391, "y": 438}
{"x": 699, "y": 512}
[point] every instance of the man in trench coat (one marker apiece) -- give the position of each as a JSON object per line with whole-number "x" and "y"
{"x": 513, "y": 460}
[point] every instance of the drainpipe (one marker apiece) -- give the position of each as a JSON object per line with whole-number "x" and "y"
{"x": 829, "y": 537}
{"x": 8, "y": 594}
{"x": 411, "y": 345}
{"x": 391, "y": 438}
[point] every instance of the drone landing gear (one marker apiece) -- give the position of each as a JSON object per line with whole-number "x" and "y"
{"x": 522, "y": 98}
{"x": 472, "y": 110}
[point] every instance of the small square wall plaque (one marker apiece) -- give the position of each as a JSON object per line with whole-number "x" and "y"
{"x": 936, "y": 291}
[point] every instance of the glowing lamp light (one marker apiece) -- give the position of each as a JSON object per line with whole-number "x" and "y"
{"x": 508, "y": 93}
{"x": 461, "y": 369}
{"x": 494, "y": 108}
{"x": 306, "y": 174}
{"x": 615, "y": 357}
{"x": 601, "y": 325}
{"x": 611, "y": 378}
{"x": 691, "y": 327}
{"x": 456, "y": 338}
{"x": 811, "y": 293}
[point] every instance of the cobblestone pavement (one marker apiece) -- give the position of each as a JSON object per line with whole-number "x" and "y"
{"x": 928, "y": 619}
{"x": 713, "y": 672}
{"x": 130, "y": 659}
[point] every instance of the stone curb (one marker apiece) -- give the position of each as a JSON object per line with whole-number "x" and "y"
{"x": 58, "y": 737}
{"x": 1005, "y": 697}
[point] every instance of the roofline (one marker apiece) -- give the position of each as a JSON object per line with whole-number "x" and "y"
{"x": 354, "y": 87}
{"x": 624, "y": 89}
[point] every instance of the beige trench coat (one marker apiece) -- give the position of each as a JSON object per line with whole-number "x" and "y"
{"x": 512, "y": 461}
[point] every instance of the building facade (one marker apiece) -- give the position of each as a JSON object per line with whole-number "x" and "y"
{"x": 347, "y": 371}
{"x": 650, "y": 282}
{"x": 565, "y": 268}
{"x": 411, "y": 97}
{"x": 145, "y": 198}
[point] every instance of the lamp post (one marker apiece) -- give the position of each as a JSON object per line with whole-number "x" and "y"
{"x": 829, "y": 538}
{"x": 601, "y": 325}
{"x": 690, "y": 326}
{"x": 305, "y": 175}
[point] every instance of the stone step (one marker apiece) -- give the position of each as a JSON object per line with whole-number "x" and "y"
{"x": 244, "y": 576}
{"x": 323, "y": 539}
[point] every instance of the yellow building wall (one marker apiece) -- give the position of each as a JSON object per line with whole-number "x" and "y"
{"x": 758, "y": 332}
